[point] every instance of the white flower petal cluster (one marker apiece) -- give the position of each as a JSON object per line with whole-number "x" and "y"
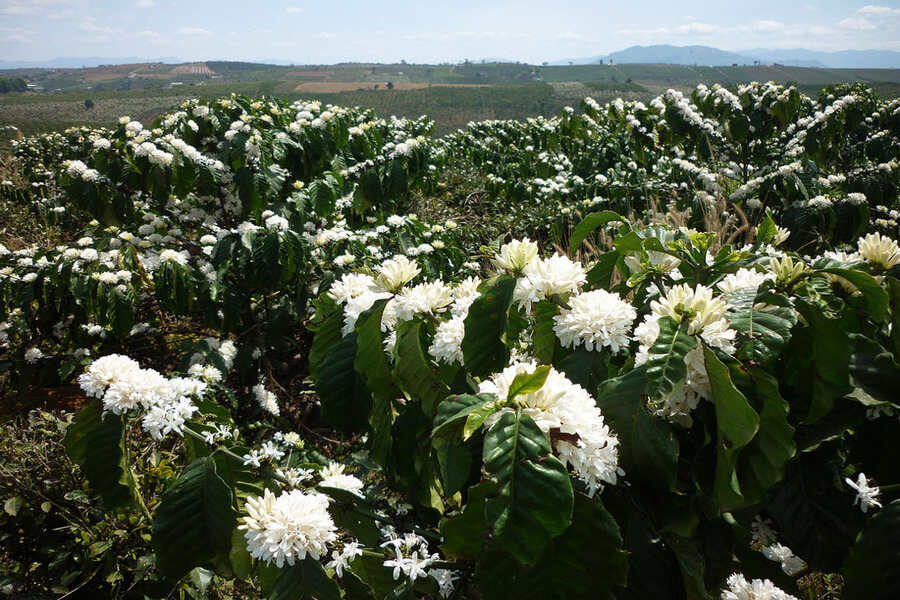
{"x": 758, "y": 589}
{"x": 426, "y": 298}
{"x": 395, "y": 273}
{"x": 790, "y": 563}
{"x": 596, "y": 319}
{"x": 266, "y": 399}
{"x": 879, "y": 250}
{"x": 124, "y": 386}
{"x": 333, "y": 476}
{"x": 358, "y": 305}
{"x": 866, "y": 495}
{"x": 350, "y": 286}
{"x": 546, "y": 277}
{"x": 708, "y": 321}
{"x": 446, "y": 347}
{"x": 515, "y": 256}
{"x": 743, "y": 279}
{"x": 340, "y": 560}
{"x": 289, "y": 527}
{"x": 562, "y": 407}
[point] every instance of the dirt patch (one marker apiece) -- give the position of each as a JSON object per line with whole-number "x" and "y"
{"x": 193, "y": 69}
{"x": 68, "y": 398}
{"x": 326, "y": 87}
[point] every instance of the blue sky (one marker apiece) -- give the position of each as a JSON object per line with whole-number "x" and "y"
{"x": 428, "y": 31}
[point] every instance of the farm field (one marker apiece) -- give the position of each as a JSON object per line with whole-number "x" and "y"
{"x": 279, "y": 348}
{"x": 145, "y": 90}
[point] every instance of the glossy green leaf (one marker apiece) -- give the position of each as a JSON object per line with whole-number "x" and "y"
{"x": 666, "y": 368}
{"x": 535, "y": 492}
{"x": 413, "y": 370}
{"x": 305, "y": 580}
{"x": 194, "y": 521}
{"x": 648, "y": 449}
{"x": 94, "y": 441}
{"x": 591, "y": 223}
{"x": 872, "y": 571}
{"x": 483, "y": 348}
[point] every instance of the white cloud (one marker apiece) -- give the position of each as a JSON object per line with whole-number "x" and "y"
{"x": 767, "y": 26}
{"x": 30, "y": 7}
{"x": 144, "y": 3}
{"x": 879, "y": 11}
{"x": 293, "y": 9}
{"x": 194, "y": 31}
{"x": 696, "y": 27}
{"x": 856, "y": 24}
{"x": 17, "y": 34}
{"x": 90, "y": 25}
{"x": 327, "y": 35}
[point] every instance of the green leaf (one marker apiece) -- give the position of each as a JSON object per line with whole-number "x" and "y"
{"x": 875, "y": 370}
{"x": 545, "y": 341}
{"x": 591, "y": 223}
{"x": 343, "y": 392}
{"x": 761, "y": 333}
{"x": 600, "y": 275}
{"x": 765, "y": 232}
{"x": 666, "y": 368}
{"x": 413, "y": 370}
{"x": 371, "y": 361}
{"x": 477, "y": 418}
{"x": 693, "y": 567}
{"x": 830, "y": 348}
{"x": 535, "y": 502}
{"x": 736, "y": 423}
{"x": 894, "y": 287}
{"x": 455, "y": 462}
{"x": 305, "y": 580}
{"x": 94, "y": 441}
{"x": 371, "y": 571}
{"x": 194, "y": 521}
{"x": 816, "y": 521}
{"x": 528, "y": 383}
{"x": 453, "y": 412}
{"x": 464, "y": 534}
{"x": 768, "y": 454}
{"x": 586, "y": 562}
{"x": 328, "y": 333}
{"x": 872, "y": 571}
{"x": 648, "y": 449}
{"x": 877, "y": 300}
{"x": 484, "y": 350}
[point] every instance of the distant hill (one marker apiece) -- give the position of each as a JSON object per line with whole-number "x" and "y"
{"x": 714, "y": 57}
{"x": 77, "y": 63}
{"x": 845, "y": 59}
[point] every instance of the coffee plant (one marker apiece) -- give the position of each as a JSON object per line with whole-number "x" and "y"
{"x": 642, "y": 352}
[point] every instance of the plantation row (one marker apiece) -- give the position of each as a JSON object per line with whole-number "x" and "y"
{"x": 632, "y": 351}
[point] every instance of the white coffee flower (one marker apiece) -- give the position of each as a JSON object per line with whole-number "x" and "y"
{"x": 758, "y": 589}
{"x": 266, "y": 399}
{"x": 426, "y": 298}
{"x": 333, "y": 476}
{"x": 289, "y": 527}
{"x": 393, "y": 274}
{"x": 596, "y": 319}
{"x": 543, "y": 278}
{"x": 866, "y": 495}
{"x": 561, "y": 406}
{"x": 446, "y": 347}
{"x": 515, "y": 255}
{"x": 879, "y": 250}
